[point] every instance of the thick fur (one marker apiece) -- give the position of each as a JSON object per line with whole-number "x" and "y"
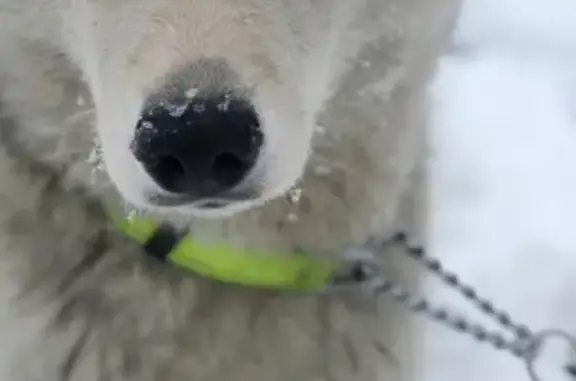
{"x": 341, "y": 86}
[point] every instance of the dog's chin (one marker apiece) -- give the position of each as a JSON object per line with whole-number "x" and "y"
{"x": 146, "y": 199}
{"x": 209, "y": 210}
{"x": 181, "y": 212}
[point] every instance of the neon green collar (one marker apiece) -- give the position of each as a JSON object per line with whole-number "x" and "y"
{"x": 222, "y": 263}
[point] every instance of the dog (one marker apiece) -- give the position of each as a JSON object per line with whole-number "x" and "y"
{"x": 289, "y": 126}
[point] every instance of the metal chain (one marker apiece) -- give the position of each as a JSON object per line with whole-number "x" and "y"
{"x": 522, "y": 333}
{"x": 525, "y": 344}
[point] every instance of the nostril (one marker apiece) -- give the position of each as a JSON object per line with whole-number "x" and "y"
{"x": 199, "y": 154}
{"x": 170, "y": 174}
{"x": 228, "y": 168}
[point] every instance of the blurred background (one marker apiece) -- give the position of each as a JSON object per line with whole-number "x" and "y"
{"x": 504, "y": 174}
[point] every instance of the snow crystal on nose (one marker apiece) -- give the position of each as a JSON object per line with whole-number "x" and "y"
{"x": 146, "y": 125}
{"x": 176, "y": 107}
{"x": 199, "y": 108}
{"x": 191, "y": 93}
{"x": 223, "y": 106}
{"x": 176, "y": 110}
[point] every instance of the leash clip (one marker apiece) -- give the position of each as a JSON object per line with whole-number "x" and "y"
{"x": 538, "y": 341}
{"x": 359, "y": 268}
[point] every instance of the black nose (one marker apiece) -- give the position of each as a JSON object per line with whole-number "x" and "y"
{"x": 199, "y": 147}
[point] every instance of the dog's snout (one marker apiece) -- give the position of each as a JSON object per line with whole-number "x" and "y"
{"x": 199, "y": 147}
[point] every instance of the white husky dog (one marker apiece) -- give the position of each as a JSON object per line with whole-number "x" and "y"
{"x": 279, "y": 125}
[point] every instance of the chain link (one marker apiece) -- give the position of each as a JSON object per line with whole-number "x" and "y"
{"x": 524, "y": 344}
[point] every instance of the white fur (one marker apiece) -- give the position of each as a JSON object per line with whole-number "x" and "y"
{"x": 341, "y": 89}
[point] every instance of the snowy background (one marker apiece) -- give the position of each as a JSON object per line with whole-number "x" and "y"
{"x": 505, "y": 180}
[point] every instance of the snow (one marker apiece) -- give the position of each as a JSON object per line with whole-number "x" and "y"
{"x": 504, "y": 181}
